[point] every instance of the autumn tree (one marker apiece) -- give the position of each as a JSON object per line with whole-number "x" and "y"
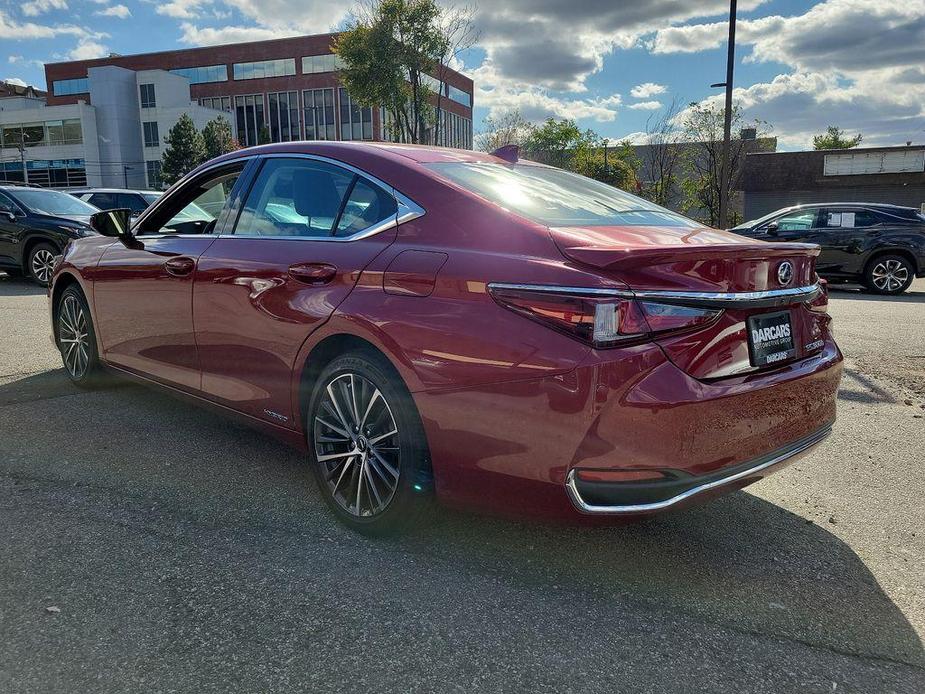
{"x": 508, "y": 128}
{"x": 217, "y": 137}
{"x": 836, "y": 138}
{"x": 661, "y": 156}
{"x": 185, "y": 150}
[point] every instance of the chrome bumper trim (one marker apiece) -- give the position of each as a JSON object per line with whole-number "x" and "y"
{"x": 801, "y": 446}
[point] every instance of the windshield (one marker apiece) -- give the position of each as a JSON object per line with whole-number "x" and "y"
{"x": 557, "y": 198}
{"x": 52, "y": 202}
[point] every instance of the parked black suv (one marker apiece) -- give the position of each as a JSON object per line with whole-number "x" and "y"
{"x": 112, "y": 198}
{"x": 881, "y": 246}
{"x": 35, "y": 225}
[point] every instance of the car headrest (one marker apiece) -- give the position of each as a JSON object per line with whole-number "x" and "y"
{"x": 314, "y": 193}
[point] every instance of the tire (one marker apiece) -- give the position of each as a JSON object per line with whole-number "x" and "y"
{"x": 889, "y": 274}
{"x": 76, "y": 339}
{"x": 40, "y": 263}
{"x": 375, "y": 482}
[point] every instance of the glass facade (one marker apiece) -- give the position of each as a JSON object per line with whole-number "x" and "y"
{"x": 459, "y": 96}
{"x": 312, "y": 64}
{"x": 249, "y": 118}
{"x": 318, "y": 114}
{"x": 203, "y": 74}
{"x": 55, "y": 173}
{"x": 264, "y": 68}
{"x": 284, "y": 116}
{"x": 81, "y": 85}
{"x": 454, "y": 131}
{"x": 148, "y": 99}
{"x": 149, "y": 129}
{"x": 219, "y": 103}
{"x": 356, "y": 122}
{"x": 55, "y": 132}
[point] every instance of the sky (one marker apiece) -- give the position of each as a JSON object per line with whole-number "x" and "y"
{"x": 610, "y": 64}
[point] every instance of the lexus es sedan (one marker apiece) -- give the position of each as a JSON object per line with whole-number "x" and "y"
{"x": 880, "y": 246}
{"x": 35, "y": 225}
{"x": 434, "y": 322}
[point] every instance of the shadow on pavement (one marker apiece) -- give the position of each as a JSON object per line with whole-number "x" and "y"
{"x": 860, "y": 294}
{"x": 739, "y": 562}
{"x": 857, "y": 387}
{"x": 18, "y": 286}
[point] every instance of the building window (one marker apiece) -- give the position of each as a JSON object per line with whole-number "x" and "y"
{"x": 459, "y": 96}
{"x": 328, "y": 62}
{"x": 56, "y": 173}
{"x": 219, "y": 103}
{"x": 284, "y": 116}
{"x": 249, "y": 118}
{"x": 147, "y": 96}
{"x": 356, "y": 122}
{"x": 56, "y": 132}
{"x": 81, "y": 85}
{"x": 203, "y": 74}
{"x": 150, "y": 133}
{"x": 264, "y": 68}
{"x": 318, "y": 114}
{"x": 153, "y": 174}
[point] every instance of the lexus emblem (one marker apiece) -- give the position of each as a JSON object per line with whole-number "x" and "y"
{"x": 785, "y": 273}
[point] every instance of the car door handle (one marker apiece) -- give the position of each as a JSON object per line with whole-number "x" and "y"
{"x": 315, "y": 274}
{"x": 179, "y": 267}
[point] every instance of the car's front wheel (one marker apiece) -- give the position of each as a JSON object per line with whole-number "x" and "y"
{"x": 368, "y": 449}
{"x": 41, "y": 262}
{"x": 76, "y": 338}
{"x": 889, "y": 274}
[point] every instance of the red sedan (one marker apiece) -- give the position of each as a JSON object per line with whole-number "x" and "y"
{"x": 428, "y": 321}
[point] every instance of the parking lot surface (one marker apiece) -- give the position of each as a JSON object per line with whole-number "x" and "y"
{"x": 150, "y": 545}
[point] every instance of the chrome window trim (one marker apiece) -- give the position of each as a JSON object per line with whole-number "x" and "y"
{"x": 795, "y": 449}
{"x": 771, "y": 296}
{"x": 407, "y": 208}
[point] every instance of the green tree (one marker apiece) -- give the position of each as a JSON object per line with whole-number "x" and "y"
{"x": 836, "y": 138}
{"x": 185, "y": 150}
{"x": 217, "y": 137}
{"x": 263, "y": 135}
{"x": 389, "y": 56}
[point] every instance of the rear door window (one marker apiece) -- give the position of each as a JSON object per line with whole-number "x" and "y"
{"x": 797, "y": 221}
{"x": 105, "y": 201}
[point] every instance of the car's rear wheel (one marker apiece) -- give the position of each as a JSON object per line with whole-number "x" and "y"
{"x": 889, "y": 274}
{"x": 368, "y": 449}
{"x": 76, "y": 338}
{"x": 41, "y": 263}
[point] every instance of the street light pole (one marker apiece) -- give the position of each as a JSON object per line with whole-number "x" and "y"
{"x": 724, "y": 172}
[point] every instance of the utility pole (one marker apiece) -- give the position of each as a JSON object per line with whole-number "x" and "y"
{"x": 724, "y": 172}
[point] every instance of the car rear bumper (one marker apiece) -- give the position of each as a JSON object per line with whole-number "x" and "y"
{"x": 513, "y": 447}
{"x": 631, "y": 498}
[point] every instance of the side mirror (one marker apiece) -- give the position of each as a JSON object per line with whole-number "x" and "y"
{"x": 772, "y": 228}
{"x": 115, "y": 223}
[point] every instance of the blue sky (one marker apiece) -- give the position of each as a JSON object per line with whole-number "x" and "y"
{"x": 611, "y": 65}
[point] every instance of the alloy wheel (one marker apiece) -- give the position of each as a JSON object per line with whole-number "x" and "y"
{"x": 889, "y": 275}
{"x": 74, "y": 337}
{"x": 356, "y": 445}
{"x": 43, "y": 262}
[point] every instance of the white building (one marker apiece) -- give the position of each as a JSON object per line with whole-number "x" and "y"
{"x": 118, "y": 141}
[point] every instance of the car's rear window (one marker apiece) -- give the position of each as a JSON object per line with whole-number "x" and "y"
{"x": 52, "y": 202}
{"x": 557, "y": 198}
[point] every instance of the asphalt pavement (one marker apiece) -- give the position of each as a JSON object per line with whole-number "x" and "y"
{"x": 150, "y": 545}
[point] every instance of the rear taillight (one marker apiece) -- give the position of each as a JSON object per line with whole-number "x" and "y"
{"x": 600, "y": 320}
{"x": 821, "y": 303}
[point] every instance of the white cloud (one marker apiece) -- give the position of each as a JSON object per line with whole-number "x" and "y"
{"x": 209, "y": 36}
{"x": 21, "y": 31}
{"x": 119, "y": 11}
{"x": 22, "y": 60}
{"x": 37, "y": 7}
{"x": 646, "y": 106}
{"x": 87, "y": 49}
{"x": 181, "y": 9}
{"x": 647, "y": 90}
{"x": 15, "y": 80}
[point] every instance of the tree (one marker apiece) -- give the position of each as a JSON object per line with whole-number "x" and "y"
{"x": 263, "y": 135}
{"x": 390, "y": 54}
{"x": 661, "y": 156}
{"x": 836, "y": 138}
{"x": 217, "y": 137}
{"x": 703, "y": 130}
{"x": 185, "y": 150}
{"x": 509, "y": 128}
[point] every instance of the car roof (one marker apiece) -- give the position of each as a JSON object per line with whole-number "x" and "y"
{"x": 112, "y": 190}
{"x": 882, "y": 205}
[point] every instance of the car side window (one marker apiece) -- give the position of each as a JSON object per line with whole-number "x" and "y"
{"x": 194, "y": 208}
{"x": 8, "y": 205}
{"x": 131, "y": 201}
{"x": 797, "y": 221}
{"x": 294, "y": 197}
{"x": 366, "y": 205}
{"x": 834, "y": 218}
{"x": 105, "y": 201}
